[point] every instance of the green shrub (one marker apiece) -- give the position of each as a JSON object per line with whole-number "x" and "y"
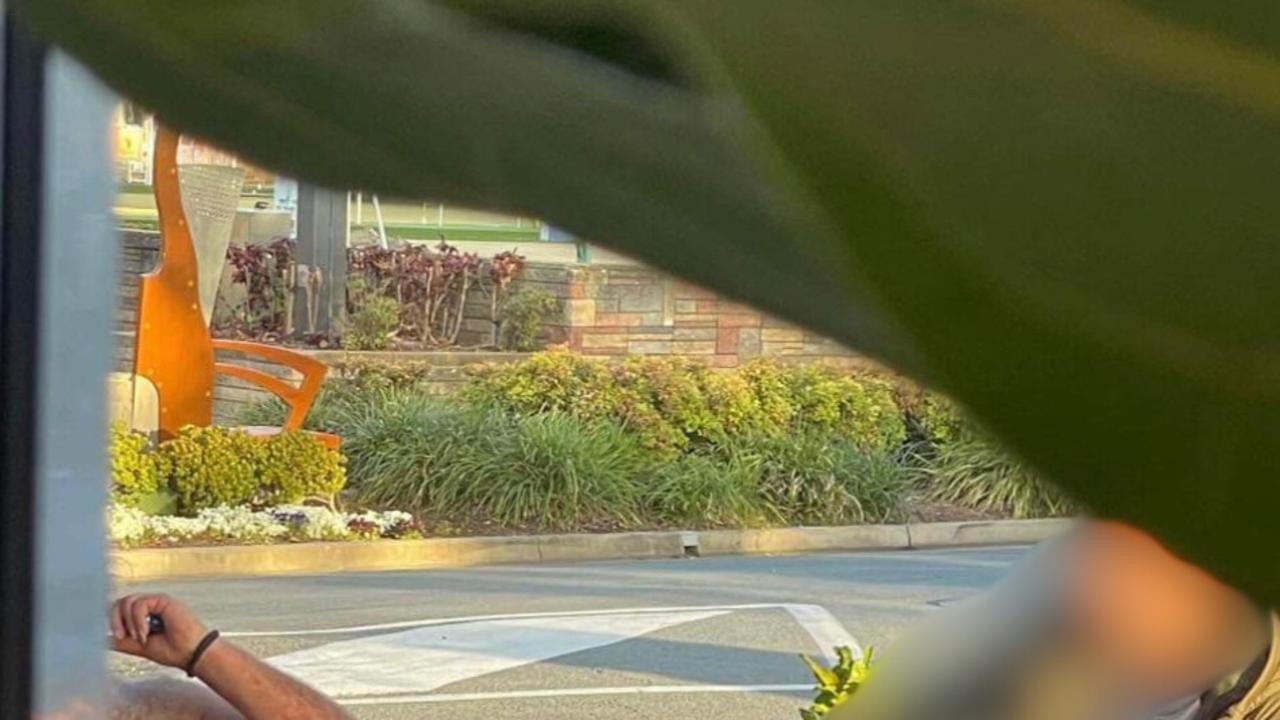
{"x": 370, "y": 326}
{"x": 210, "y": 466}
{"x": 547, "y": 471}
{"x": 409, "y": 450}
{"x": 134, "y": 475}
{"x": 559, "y": 473}
{"x": 860, "y": 407}
{"x": 819, "y": 478}
{"x": 294, "y": 467}
{"x": 812, "y": 479}
{"x": 675, "y": 405}
{"x": 941, "y": 419}
{"x": 663, "y": 401}
{"x": 706, "y": 490}
{"x": 554, "y": 381}
{"x": 880, "y": 481}
{"x": 523, "y": 315}
{"x": 973, "y": 472}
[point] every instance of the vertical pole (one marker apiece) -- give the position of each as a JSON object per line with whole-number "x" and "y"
{"x": 382, "y": 227}
{"x": 322, "y": 243}
{"x": 57, "y": 268}
{"x": 77, "y": 281}
{"x": 440, "y": 215}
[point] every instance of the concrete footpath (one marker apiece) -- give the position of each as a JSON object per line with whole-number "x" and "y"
{"x": 330, "y": 557}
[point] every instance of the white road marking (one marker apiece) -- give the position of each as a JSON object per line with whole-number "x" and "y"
{"x": 917, "y": 556}
{"x": 411, "y": 658}
{"x": 427, "y": 658}
{"x": 464, "y": 619}
{"x": 577, "y": 692}
{"x": 826, "y": 631}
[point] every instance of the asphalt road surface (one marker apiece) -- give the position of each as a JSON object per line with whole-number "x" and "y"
{"x": 713, "y": 637}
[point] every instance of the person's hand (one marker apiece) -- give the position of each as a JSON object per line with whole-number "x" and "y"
{"x": 131, "y": 630}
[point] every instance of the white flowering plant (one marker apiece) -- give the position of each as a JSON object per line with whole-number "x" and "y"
{"x": 130, "y": 527}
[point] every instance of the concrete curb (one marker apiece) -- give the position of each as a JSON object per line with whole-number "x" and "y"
{"x": 994, "y": 532}
{"x": 326, "y": 557}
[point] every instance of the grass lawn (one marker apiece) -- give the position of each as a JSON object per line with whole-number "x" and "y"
{"x": 142, "y": 220}
{"x": 459, "y": 232}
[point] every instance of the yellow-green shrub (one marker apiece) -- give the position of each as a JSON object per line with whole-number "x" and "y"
{"x": 210, "y": 466}
{"x": 294, "y": 467}
{"x": 555, "y": 381}
{"x": 134, "y": 474}
{"x": 859, "y": 407}
{"x": 674, "y": 404}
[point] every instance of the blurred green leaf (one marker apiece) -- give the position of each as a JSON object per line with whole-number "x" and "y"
{"x": 1062, "y": 212}
{"x": 821, "y": 674}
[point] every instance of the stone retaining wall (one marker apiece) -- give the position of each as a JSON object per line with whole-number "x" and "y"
{"x": 614, "y": 310}
{"x": 606, "y": 311}
{"x": 444, "y": 372}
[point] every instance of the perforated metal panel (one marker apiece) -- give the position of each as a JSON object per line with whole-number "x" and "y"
{"x": 210, "y": 197}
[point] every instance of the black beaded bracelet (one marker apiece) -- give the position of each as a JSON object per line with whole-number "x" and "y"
{"x": 200, "y": 650}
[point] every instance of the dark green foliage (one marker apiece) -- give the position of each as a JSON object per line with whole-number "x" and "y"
{"x": 972, "y": 472}
{"x": 709, "y": 490}
{"x": 816, "y": 478}
{"x": 405, "y": 447}
{"x": 556, "y": 472}
{"x": 552, "y": 471}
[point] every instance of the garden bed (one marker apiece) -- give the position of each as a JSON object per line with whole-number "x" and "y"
{"x": 558, "y": 443}
{"x": 130, "y": 528}
{"x": 241, "y": 525}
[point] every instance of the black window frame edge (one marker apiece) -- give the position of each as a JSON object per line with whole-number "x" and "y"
{"x": 21, "y": 208}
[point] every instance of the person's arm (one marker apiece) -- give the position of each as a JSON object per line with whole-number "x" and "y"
{"x": 168, "y": 698}
{"x": 257, "y": 690}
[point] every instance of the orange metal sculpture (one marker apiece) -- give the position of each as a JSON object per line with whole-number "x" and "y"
{"x": 174, "y": 349}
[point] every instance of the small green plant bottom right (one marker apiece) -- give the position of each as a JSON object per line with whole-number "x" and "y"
{"x": 837, "y": 683}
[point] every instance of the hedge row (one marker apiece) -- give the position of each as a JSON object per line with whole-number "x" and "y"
{"x": 474, "y": 465}
{"x": 560, "y": 441}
